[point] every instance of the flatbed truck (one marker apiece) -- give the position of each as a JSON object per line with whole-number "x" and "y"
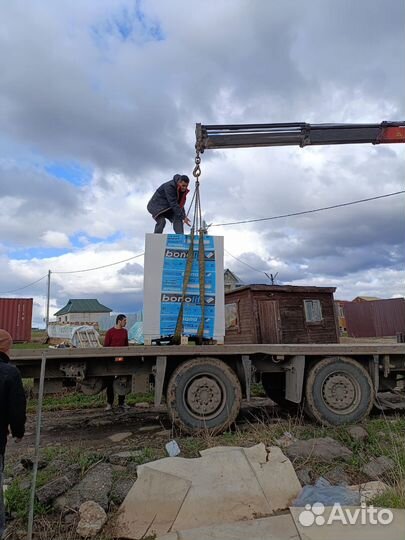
{"x": 203, "y": 385}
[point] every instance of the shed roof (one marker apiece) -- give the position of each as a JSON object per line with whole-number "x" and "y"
{"x": 283, "y": 289}
{"x": 83, "y": 305}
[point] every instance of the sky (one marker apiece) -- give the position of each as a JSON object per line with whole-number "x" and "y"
{"x": 98, "y": 106}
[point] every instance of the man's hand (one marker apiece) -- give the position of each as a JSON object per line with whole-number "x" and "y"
{"x": 187, "y": 221}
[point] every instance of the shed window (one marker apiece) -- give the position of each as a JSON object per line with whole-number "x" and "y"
{"x": 231, "y": 316}
{"x": 313, "y": 311}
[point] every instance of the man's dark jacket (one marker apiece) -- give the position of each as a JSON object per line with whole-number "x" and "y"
{"x": 166, "y": 197}
{"x": 12, "y": 402}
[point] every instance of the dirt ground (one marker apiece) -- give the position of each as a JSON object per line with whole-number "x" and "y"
{"x": 90, "y": 429}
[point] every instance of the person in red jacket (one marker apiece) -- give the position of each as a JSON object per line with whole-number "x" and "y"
{"x": 117, "y": 336}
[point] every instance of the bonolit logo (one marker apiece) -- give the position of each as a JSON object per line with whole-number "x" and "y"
{"x": 364, "y": 515}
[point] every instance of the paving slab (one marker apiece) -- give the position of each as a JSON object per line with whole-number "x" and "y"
{"x": 270, "y": 528}
{"x": 338, "y": 530}
{"x": 226, "y": 484}
{"x": 224, "y": 488}
{"x": 278, "y": 479}
{"x": 269, "y": 464}
{"x": 151, "y": 505}
{"x": 256, "y": 453}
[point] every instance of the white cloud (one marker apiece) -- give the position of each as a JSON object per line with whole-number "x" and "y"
{"x": 125, "y": 106}
{"x": 56, "y": 239}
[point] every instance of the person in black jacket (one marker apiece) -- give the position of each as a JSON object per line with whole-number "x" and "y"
{"x": 168, "y": 203}
{"x": 12, "y": 409}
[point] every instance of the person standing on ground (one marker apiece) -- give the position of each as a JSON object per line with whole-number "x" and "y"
{"x": 117, "y": 336}
{"x": 168, "y": 203}
{"x": 12, "y": 409}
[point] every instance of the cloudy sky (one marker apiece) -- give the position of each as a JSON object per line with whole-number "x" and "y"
{"x": 98, "y": 105}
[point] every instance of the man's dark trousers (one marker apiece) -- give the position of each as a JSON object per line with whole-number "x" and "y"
{"x": 178, "y": 226}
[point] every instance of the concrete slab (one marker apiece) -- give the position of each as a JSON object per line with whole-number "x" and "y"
{"x": 226, "y": 484}
{"x": 338, "y": 530}
{"x": 270, "y": 528}
{"x": 151, "y": 505}
{"x": 269, "y": 464}
{"x": 224, "y": 488}
{"x": 257, "y": 453}
{"x": 277, "y": 479}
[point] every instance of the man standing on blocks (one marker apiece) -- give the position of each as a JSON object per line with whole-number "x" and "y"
{"x": 168, "y": 203}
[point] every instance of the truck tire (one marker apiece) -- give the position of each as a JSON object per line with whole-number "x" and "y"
{"x": 203, "y": 394}
{"x": 338, "y": 390}
{"x": 274, "y": 386}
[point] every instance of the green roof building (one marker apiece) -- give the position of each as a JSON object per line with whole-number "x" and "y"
{"x": 83, "y": 310}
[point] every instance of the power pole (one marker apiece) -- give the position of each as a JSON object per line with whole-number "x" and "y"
{"x": 48, "y": 297}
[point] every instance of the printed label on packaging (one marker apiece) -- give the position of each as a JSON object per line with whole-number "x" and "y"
{"x": 174, "y": 268}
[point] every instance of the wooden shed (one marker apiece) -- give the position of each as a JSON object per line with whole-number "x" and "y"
{"x": 280, "y": 314}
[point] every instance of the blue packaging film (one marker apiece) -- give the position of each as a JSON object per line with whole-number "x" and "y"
{"x": 174, "y": 267}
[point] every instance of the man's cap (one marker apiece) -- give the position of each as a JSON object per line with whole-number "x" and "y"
{"x": 5, "y": 340}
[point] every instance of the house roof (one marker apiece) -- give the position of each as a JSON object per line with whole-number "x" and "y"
{"x": 229, "y": 275}
{"x": 366, "y": 298}
{"x": 283, "y": 288}
{"x": 83, "y": 305}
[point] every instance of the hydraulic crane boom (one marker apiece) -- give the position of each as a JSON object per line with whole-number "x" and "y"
{"x": 300, "y": 134}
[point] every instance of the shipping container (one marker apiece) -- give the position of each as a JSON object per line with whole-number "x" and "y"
{"x": 375, "y": 318}
{"x": 280, "y": 314}
{"x": 16, "y": 317}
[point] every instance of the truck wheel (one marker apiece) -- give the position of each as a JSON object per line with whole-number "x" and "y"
{"x": 274, "y": 386}
{"x": 338, "y": 390}
{"x": 203, "y": 394}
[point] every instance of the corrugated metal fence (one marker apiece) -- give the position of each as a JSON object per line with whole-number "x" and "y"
{"x": 376, "y": 318}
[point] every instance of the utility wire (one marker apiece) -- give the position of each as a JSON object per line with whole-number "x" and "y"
{"x": 309, "y": 211}
{"x": 245, "y": 263}
{"x": 222, "y": 225}
{"x": 98, "y": 267}
{"x": 73, "y": 272}
{"x": 25, "y": 286}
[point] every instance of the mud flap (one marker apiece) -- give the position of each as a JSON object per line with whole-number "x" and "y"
{"x": 294, "y": 378}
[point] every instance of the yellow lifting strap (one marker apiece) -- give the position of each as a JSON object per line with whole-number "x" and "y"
{"x": 201, "y": 268}
{"x": 189, "y": 264}
{"x": 197, "y": 225}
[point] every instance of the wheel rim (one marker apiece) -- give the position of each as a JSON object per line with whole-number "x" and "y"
{"x": 204, "y": 396}
{"x": 341, "y": 392}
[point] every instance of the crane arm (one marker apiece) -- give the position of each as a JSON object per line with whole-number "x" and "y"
{"x": 300, "y": 134}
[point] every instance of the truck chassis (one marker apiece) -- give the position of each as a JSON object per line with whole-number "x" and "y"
{"x": 203, "y": 386}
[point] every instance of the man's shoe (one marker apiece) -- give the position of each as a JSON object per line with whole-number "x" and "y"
{"x": 108, "y": 407}
{"x": 125, "y": 406}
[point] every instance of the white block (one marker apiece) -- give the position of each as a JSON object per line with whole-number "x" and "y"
{"x": 165, "y": 265}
